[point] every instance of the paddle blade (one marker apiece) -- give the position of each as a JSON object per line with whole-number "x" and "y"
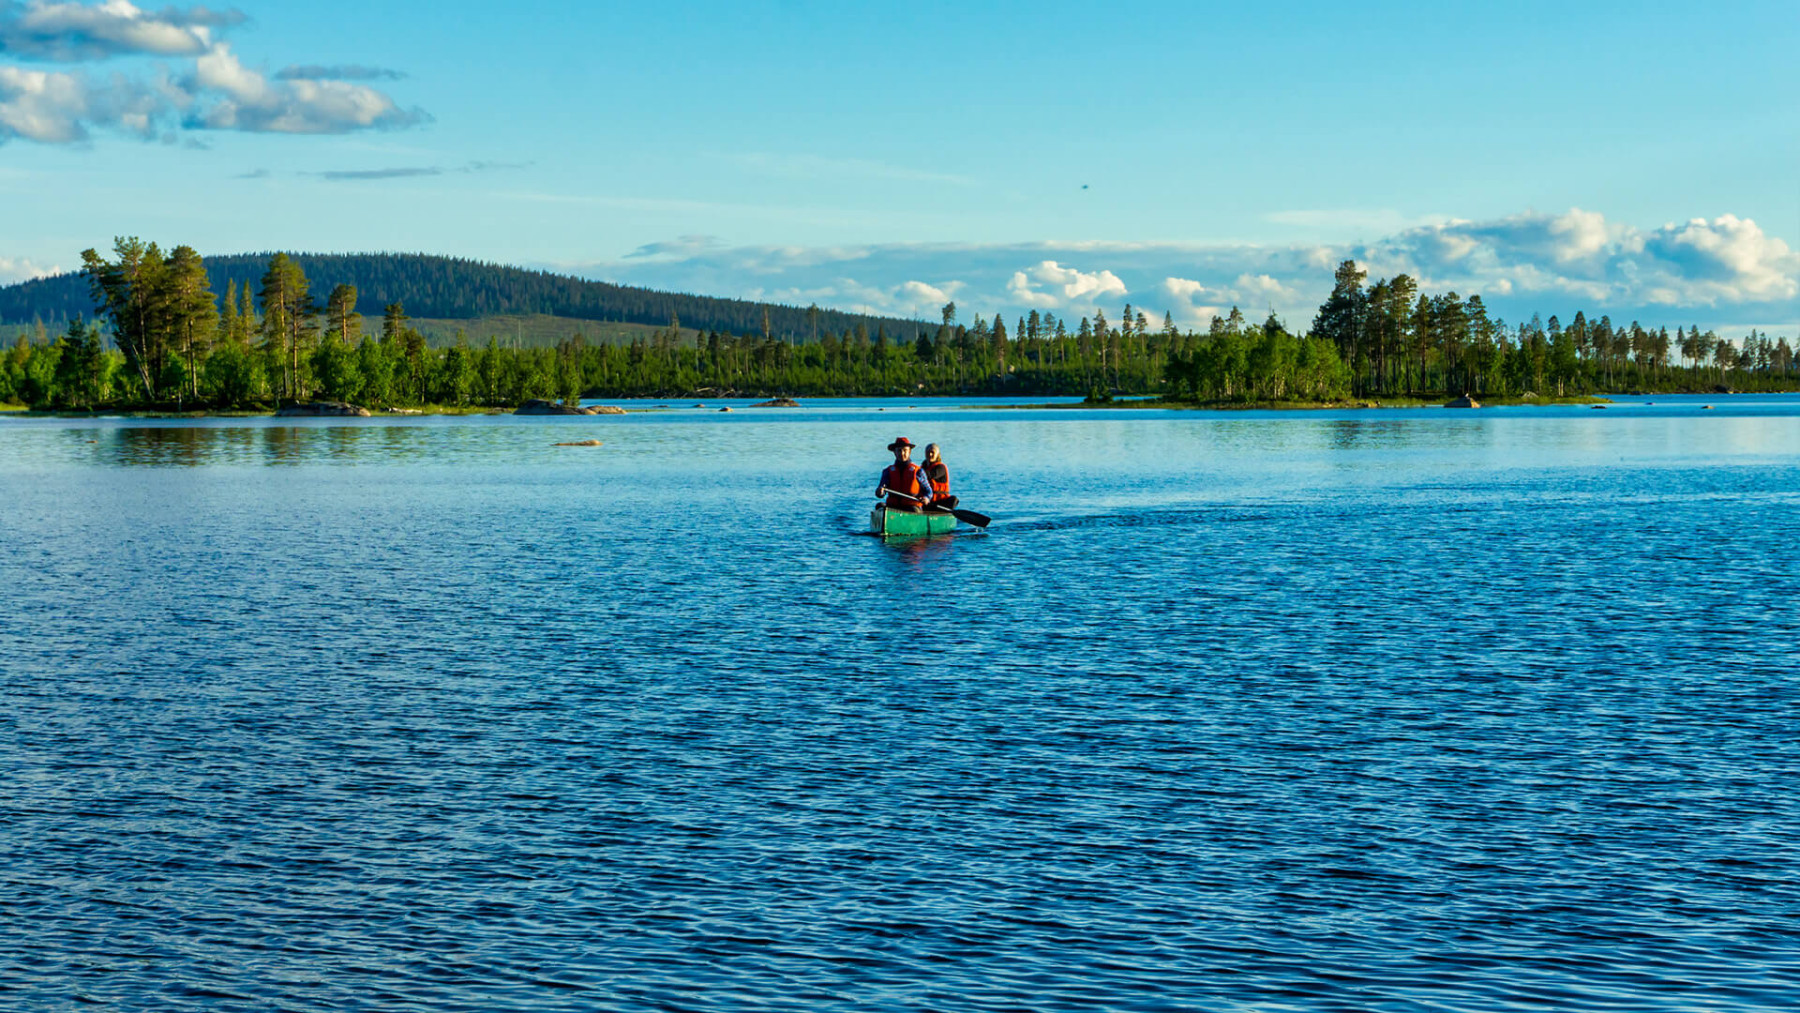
{"x": 971, "y": 517}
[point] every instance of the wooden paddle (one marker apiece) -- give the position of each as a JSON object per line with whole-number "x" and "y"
{"x": 966, "y": 516}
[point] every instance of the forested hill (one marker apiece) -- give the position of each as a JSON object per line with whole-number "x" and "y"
{"x": 448, "y": 287}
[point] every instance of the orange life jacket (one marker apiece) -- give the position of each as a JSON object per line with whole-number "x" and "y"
{"x": 939, "y": 476}
{"x": 904, "y": 478}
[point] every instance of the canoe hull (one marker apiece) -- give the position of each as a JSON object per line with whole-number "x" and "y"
{"x": 904, "y": 524}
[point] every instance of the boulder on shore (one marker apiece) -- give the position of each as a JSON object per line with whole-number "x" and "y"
{"x": 318, "y": 408}
{"x": 1464, "y": 402}
{"x": 780, "y": 402}
{"x": 538, "y": 406}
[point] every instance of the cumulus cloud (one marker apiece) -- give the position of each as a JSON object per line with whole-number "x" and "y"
{"x": 921, "y": 299}
{"x": 16, "y": 269}
{"x": 1049, "y": 285}
{"x": 249, "y": 101}
{"x": 54, "y": 107}
{"x": 1702, "y": 271}
{"x": 70, "y": 32}
{"x": 1581, "y": 255}
{"x": 1192, "y": 304}
{"x": 1263, "y": 288}
{"x": 218, "y": 93}
{"x": 1726, "y": 260}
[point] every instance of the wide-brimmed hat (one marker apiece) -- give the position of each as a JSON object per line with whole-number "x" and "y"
{"x": 901, "y": 442}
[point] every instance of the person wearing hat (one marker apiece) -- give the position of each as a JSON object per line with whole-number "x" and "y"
{"x": 902, "y": 482}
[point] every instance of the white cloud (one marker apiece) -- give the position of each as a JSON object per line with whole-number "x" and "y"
{"x": 218, "y": 93}
{"x": 1519, "y": 264}
{"x": 1581, "y": 255}
{"x": 1578, "y": 235}
{"x": 1251, "y": 288}
{"x": 54, "y": 107}
{"x": 1062, "y": 286}
{"x": 923, "y": 299}
{"x": 1192, "y": 304}
{"x": 16, "y": 269}
{"x": 1726, "y": 260}
{"x": 249, "y": 101}
{"x": 75, "y": 32}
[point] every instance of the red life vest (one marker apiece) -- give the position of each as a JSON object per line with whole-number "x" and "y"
{"x": 904, "y": 478}
{"x": 939, "y": 476}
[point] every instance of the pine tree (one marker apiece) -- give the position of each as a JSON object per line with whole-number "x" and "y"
{"x": 192, "y": 309}
{"x": 125, "y": 288}
{"x": 342, "y": 321}
{"x": 288, "y": 315}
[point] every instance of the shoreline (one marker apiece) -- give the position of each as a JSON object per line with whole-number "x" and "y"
{"x": 1128, "y": 402}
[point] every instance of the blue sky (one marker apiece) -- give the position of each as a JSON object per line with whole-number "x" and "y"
{"x": 1633, "y": 159}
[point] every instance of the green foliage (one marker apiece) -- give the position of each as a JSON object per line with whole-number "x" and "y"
{"x": 172, "y": 347}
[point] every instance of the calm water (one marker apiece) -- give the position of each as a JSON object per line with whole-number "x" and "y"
{"x": 1386, "y": 710}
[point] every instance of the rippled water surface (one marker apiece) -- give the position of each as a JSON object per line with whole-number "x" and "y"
{"x": 1387, "y": 710}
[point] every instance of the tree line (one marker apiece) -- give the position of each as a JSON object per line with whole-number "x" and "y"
{"x": 1399, "y": 341}
{"x": 162, "y": 338}
{"x": 459, "y": 289}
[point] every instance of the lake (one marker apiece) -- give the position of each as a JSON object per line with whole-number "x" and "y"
{"x": 1366, "y": 710}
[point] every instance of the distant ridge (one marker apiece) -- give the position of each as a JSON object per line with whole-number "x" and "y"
{"x": 457, "y": 289}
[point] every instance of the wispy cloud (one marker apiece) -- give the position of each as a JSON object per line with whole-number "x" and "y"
{"x": 337, "y": 175}
{"x": 682, "y": 246}
{"x": 815, "y": 167}
{"x": 72, "y": 32}
{"x": 337, "y": 72}
{"x": 409, "y": 172}
{"x": 488, "y": 166}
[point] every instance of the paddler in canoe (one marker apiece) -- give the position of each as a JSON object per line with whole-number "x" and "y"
{"x": 937, "y": 476}
{"x": 903, "y": 482}
{"x": 915, "y": 503}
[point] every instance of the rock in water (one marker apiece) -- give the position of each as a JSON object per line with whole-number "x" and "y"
{"x": 583, "y": 443}
{"x": 538, "y": 406}
{"x": 780, "y": 402}
{"x": 1464, "y": 402}
{"x": 317, "y": 408}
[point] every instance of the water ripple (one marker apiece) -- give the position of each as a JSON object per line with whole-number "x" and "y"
{"x": 1303, "y": 714}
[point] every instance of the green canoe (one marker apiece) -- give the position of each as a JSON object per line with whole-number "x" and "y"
{"x": 904, "y": 524}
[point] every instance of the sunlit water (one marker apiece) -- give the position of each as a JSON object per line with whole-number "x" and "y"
{"x": 1381, "y": 710}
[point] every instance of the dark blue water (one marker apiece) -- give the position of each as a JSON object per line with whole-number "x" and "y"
{"x": 1389, "y": 710}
